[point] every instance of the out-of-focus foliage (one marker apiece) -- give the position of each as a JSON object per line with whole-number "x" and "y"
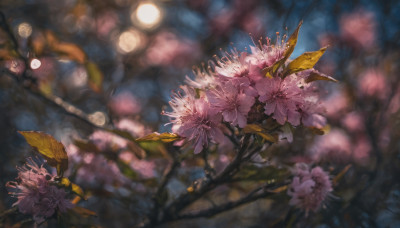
{"x": 105, "y": 56}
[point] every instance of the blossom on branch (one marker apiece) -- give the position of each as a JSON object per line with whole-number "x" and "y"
{"x": 194, "y": 119}
{"x": 309, "y": 189}
{"x": 37, "y": 195}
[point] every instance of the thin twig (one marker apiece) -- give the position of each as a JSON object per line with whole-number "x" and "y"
{"x": 172, "y": 211}
{"x": 9, "y": 211}
{"x": 251, "y": 197}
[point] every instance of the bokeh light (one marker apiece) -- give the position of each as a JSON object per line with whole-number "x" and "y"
{"x": 98, "y": 118}
{"x": 35, "y": 64}
{"x": 147, "y": 15}
{"x": 130, "y": 41}
{"x": 24, "y": 30}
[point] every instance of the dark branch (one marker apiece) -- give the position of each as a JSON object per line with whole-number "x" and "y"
{"x": 251, "y": 197}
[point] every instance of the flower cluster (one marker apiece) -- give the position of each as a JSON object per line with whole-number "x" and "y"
{"x": 244, "y": 88}
{"x": 309, "y": 189}
{"x": 37, "y": 194}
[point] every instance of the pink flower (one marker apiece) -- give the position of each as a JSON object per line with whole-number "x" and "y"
{"x": 168, "y": 49}
{"x": 36, "y": 194}
{"x": 203, "y": 78}
{"x": 334, "y": 146}
{"x": 136, "y": 128}
{"x": 358, "y": 28}
{"x": 310, "y": 116}
{"x": 232, "y": 65}
{"x": 124, "y": 104}
{"x": 96, "y": 171}
{"x": 354, "y": 122}
{"x": 266, "y": 55}
{"x": 281, "y": 97}
{"x": 193, "y": 119}
{"x": 373, "y": 84}
{"x": 309, "y": 189}
{"x": 107, "y": 141}
{"x": 233, "y": 104}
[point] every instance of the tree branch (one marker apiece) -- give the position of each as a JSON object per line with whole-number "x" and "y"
{"x": 251, "y": 197}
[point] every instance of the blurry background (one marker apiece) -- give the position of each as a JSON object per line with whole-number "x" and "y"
{"x": 120, "y": 59}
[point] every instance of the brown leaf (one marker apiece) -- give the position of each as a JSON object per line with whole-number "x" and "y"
{"x": 163, "y": 137}
{"x": 292, "y": 41}
{"x": 51, "y": 149}
{"x": 304, "y": 62}
{"x": 259, "y": 130}
{"x": 72, "y": 51}
{"x": 76, "y": 189}
{"x": 337, "y": 178}
{"x": 83, "y": 212}
{"x": 315, "y": 75}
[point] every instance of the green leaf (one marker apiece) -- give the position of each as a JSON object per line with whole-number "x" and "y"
{"x": 51, "y": 149}
{"x": 291, "y": 43}
{"x": 304, "y": 62}
{"x": 315, "y": 75}
{"x": 95, "y": 76}
{"x": 65, "y": 182}
{"x": 259, "y": 130}
{"x": 163, "y": 137}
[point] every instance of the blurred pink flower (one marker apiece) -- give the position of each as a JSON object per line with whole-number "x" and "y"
{"x": 334, "y": 146}
{"x": 168, "y": 49}
{"x": 309, "y": 189}
{"x": 252, "y": 23}
{"x": 310, "y": 116}
{"x": 354, "y": 122}
{"x": 338, "y": 103}
{"x": 136, "y": 128}
{"x": 96, "y": 171}
{"x": 372, "y": 83}
{"x": 106, "y": 22}
{"x": 36, "y": 195}
{"x": 281, "y": 98}
{"x": 146, "y": 168}
{"x": 125, "y": 104}
{"x": 358, "y": 28}
{"x": 15, "y": 66}
{"x": 221, "y": 24}
{"x": 362, "y": 149}
{"x": 233, "y": 104}
{"x": 107, "y": 141}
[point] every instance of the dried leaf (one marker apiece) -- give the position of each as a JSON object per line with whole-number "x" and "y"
{"x": 72, "y": 51}
{"x": 315, "y": 75}
{"x": 51, "y": 149}
{"x": 259, "y": 130}
{"x": 86, "y": 146}
{"x": 83, "y": 212}
{"x": 321, "y": 131}
{"x": 65, "y": 182}
{"x": 163, "y": 137}
{"x": 304, "y": 62}
{"x": 337, "y": 178}
{"x": 95, "y": 76}
{"x": 292, "y": 41}
{"x": 280, "y": 189}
